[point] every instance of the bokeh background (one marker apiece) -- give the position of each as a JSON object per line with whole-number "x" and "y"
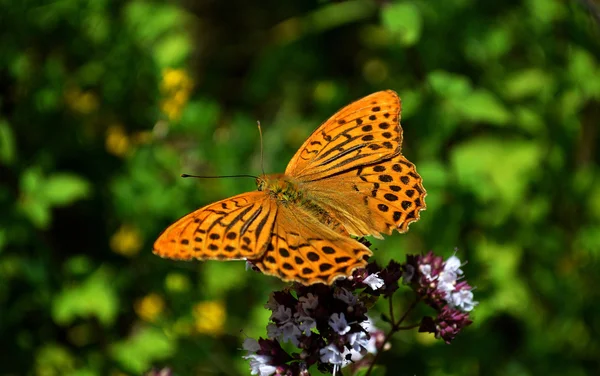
{"x": 104, "y": 103}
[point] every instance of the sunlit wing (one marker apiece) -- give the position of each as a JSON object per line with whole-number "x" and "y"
{"x": 306, "y": 251}
{"x": 374, "y": 199}
{"x": 364, "y": 132}
{"x": 235, "y": 228}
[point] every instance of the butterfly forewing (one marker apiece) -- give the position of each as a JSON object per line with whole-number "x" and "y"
{"x": 361, "y": 133}
{"x": 235, "y": 228}
{"x": 305, "y": 251}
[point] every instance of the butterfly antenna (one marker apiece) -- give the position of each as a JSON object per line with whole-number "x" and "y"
{"x": 262, "y": 166}
{"x": 218, "y": 177}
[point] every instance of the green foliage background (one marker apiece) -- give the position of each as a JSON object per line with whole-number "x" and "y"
{"x": 104, "y": 103}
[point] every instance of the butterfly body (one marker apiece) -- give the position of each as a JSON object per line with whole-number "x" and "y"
{"x": 284, "y": 189}
{"x": 349, "y": 178}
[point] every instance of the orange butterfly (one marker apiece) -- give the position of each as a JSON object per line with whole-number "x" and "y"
{"x": 349, "y": 178}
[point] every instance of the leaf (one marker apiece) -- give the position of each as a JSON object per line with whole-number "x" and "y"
{"x": 63, "y": 189}
{"x": 584, "y": 72}
{"x": 510, "y": 294}
{"x": 527, "y": 83}
{"x": 38, "y": 212}
{"x": 495, "y": 170}
{"x": 483, "y": 106}
{"x": 404, "y": 21}
{"x": 95, "y": 297}
{"x": 7, "y": 143}
{"x": 449, "y": 85}
{"x": 172, "y": 50}
{"x": 137, "y": 353}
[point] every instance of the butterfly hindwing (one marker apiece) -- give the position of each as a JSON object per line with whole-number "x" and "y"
{"x": 235, "y": 228}
{"x": 304, "y": 250}
{"x": 374, "y": 199}
{"x": 361, "y": 133}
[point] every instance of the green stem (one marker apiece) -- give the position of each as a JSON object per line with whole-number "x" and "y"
{"x": 395, "y": 327}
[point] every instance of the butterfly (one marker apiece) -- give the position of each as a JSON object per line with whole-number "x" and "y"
{"x": 349, "y": 178}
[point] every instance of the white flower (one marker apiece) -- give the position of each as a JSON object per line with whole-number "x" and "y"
{"x": 425, "y": 269}
{"x": 371, "y": 346}
{"x": 259, "y": 365}
{"x": 446, "y": 283}
{"x": 463, "y": 299}
{"x": 453, "y": 265}
{"x": 339, "y": 324}
{"x": 373, "y": 281}
{"x": 309, "y": 302}
{"x": 332, "y": 355}
{"x": 358, "y": 340}
{"x": 368, "y": 325}
{"x": 290, "y": 333}
{"x": 345, "y": 296}
{"x": 281, "y": 315}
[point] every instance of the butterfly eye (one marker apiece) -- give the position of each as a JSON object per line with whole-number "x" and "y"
{"x": 260, "y": 184}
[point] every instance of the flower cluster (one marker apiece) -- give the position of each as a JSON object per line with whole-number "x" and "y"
{"x": 438, "y": 283}
{"x": 329, "y": 325}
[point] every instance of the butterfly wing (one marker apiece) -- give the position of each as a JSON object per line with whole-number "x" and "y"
{"x": 235, "y": 228}
{"x": 372, "y": 199}
{"x": 304, "y": 250}
{"x": 364, "y": 132}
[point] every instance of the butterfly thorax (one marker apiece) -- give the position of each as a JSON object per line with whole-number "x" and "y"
{"x": 287, "y": 191}
{"x": 281, "y": 187}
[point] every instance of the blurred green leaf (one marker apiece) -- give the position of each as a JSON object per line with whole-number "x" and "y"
{"x": 94, "y": 297}
{"x": 449, "y": 85}
{"x": 38, "y": 212}
{"x": 54, "y": 360}
{"x": 3, "y": 239}
{"x": 218, "y": 278}
{"x": 97, "y": 27}
{"x": 376, "y": 371}
{"x": 490, "y": 45}
{"x": 529, "y": 120}
{"x": 78, "y": 265}
{"x": 584, "y": 71}
{"x": 40, "y": 194}
{"x": 147, "y": 345}
{"x": 150, "y": 21}
{"x": 173, "y": 50}
{"x": 404, "y": 21}
{"x": 528, "y": 83}
{"x": 588, "y": 240}
{"x": 495, "y": 169}
{"x": 483, "y": 106}
{"x": 63, "y": 189}
{"x": 546, "y": 11}
{"x": 509, "y": 294}
{"x": 411, "y": 103}
{"x": 201, "y": 117}
{"x": 7, "y": 143}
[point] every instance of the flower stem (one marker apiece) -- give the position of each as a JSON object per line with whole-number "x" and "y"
{"x": 395, "y": 327}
